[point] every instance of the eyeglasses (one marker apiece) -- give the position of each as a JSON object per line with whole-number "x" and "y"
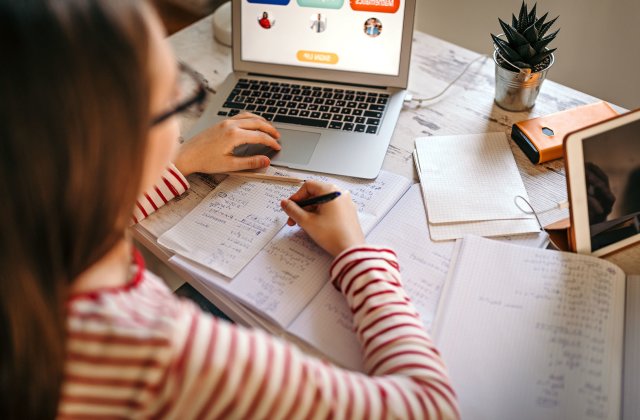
{"x": 193, "y": 92}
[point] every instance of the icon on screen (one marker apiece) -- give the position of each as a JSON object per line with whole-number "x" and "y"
{"x": 372, "y": 27}
{"x": 318, "y": 22}
{"x": 379, "y": 6}
{"x": 321, "y": 4}
{"x": 266, "y": 20}
{"x": 274, "y": 2}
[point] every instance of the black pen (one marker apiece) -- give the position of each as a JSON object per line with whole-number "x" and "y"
{"x": 321, "y": 199}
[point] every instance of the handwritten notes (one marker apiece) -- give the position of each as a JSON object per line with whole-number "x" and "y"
{"x": 532, "y": 331}
{"x": 231, "y": 225}
{"x": 289, "y": 269}
{"x": 327, "y": 324}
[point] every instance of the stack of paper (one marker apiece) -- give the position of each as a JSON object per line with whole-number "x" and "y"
{"x": 236, "y": 237}
{"x": 231, "y": 225}
{"x": 470, "y": 184}
{"x": 284, "y": 287}
{"x": 284, "y": 297}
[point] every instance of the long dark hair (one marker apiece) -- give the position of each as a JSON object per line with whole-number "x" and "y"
{"x": 74, "y": 118}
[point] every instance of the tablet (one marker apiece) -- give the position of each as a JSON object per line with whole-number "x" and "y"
{"x": 603, "y": 181}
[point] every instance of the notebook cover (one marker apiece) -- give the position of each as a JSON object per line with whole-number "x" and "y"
{"x": 540, "y": 147}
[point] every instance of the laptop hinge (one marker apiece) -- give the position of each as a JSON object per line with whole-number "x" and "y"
{"x": 317, "y": 81}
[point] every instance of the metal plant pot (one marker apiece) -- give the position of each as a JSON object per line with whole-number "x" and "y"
{"x": 517, "y": 90}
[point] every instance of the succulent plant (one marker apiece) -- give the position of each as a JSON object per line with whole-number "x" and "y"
{"x": 526, "y": 43}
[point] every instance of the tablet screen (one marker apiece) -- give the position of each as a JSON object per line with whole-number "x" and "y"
{"x": 612, "y": 173}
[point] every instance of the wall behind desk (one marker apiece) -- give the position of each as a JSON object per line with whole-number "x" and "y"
{"x": 598, "y": 44}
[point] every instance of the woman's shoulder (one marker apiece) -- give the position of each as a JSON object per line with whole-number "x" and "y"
{"x": 142, "y": 311}
{"x": 121, "y": 345}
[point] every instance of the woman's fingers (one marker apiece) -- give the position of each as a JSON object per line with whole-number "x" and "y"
{"x": 295, "y": 213}
{"x": 313, "y": 188}
{"x": 249, "y": 162}
{"x": 255, "y": 137}
{"x": 253, "y": 122}
{"x": 244, "y": 115}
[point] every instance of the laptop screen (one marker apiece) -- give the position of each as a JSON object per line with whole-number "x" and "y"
{"x": 348, "y": 35}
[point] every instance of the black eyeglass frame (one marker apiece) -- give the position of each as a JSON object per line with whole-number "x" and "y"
{"x": 197, "y": 99}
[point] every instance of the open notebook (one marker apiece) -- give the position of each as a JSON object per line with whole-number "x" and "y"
{"x": 281, "y": 276}
{"x": 286, "y": 284}
{"x": 538, "y": 334}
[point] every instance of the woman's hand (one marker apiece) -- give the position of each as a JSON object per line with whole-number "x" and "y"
{"x": 212, "y": 150}
{"x": 333, "y": 225}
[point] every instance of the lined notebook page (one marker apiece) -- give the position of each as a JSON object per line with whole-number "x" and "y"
{"x": 326, "y": 323}
{"x": 631, "y": 391}
{"x": 532, "y": 334}
{"x": 469, "y": 178}
{"x": 231, "y": 224}
{"x": 291, "y": 269}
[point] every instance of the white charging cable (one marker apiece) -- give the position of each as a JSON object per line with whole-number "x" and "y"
{"x": 409, "y": 98}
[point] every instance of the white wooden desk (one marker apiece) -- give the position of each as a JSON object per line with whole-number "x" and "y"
{"x": 466, "y": 108}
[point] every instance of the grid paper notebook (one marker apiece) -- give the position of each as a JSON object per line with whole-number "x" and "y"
{"x": 469, "y": 178}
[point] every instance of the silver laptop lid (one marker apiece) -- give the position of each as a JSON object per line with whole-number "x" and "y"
{"x": 365, "y": 42}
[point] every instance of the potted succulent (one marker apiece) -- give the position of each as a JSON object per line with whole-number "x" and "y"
{"x": 522, "y": 58}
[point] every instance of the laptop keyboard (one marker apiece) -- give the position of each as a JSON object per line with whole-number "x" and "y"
{"x": 314, "y": 106}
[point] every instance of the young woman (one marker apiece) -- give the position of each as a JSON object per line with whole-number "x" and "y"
{"x": 86, "y": 126}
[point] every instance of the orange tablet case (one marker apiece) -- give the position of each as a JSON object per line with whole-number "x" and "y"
{"x": 541, "y": 138}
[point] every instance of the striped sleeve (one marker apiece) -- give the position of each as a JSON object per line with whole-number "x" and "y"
{"x": 222, "y": 371}
{"x": 172, "y": 184}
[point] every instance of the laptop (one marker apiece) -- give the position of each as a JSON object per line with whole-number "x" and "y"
{"x": 329, "y": 74}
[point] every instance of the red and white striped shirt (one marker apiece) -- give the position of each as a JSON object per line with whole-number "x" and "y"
{"x": 171, "y": 185}
{"x": 139, "y": 351}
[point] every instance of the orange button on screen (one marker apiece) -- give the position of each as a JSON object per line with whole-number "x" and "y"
{"x": 380, "y": 6}
{"x": 317, "y": 57}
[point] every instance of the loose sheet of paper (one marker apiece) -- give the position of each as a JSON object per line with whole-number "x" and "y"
{"x": 231, "y": 225}
{"x": 326, "y": 323}
{"x": 291, "y": 269}
{"x": 533, "y": 334}
{"x": 492, "y": 228}
{"x": 488, "y": 228}
{"x": 469, "y": 178}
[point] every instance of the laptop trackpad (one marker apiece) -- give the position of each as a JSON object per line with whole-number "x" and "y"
{"x": 297, "y": 147}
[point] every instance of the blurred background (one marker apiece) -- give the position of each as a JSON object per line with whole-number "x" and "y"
{"x": 598, "y": 44}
